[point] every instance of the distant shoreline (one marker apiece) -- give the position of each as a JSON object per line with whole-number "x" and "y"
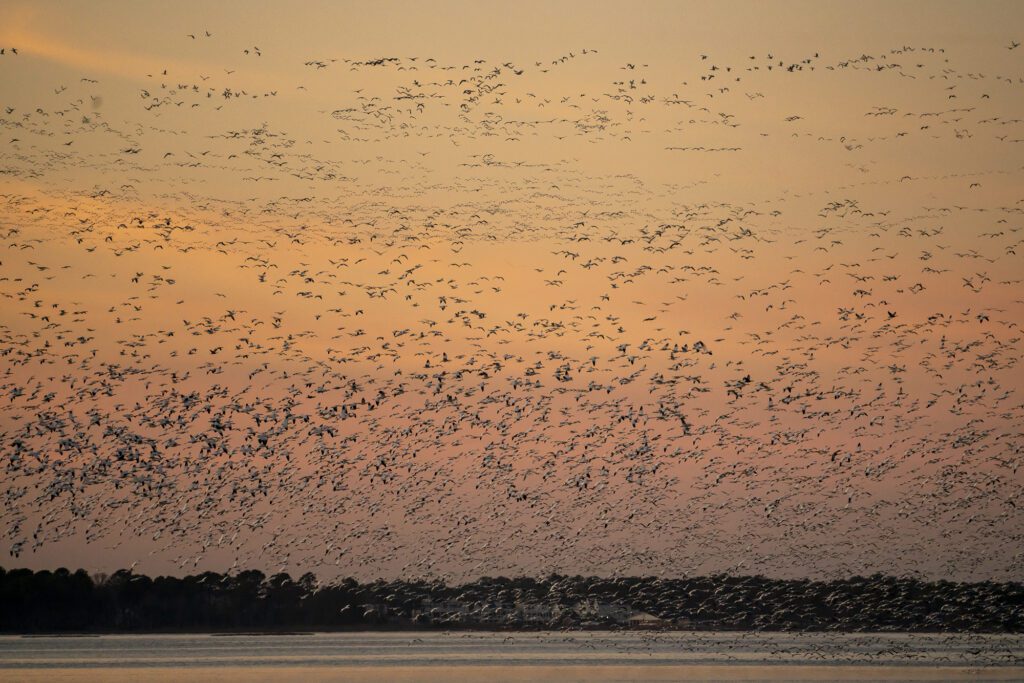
{"x": 481, "y": 629}
{"x": 251, "y": 603}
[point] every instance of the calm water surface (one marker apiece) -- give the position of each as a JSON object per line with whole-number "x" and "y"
{"x": 495, "y": 657}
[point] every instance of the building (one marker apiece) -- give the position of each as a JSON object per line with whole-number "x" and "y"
{"x": 643, "y": 620}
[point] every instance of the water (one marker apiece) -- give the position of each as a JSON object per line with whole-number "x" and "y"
{"x": 496, "y": 657}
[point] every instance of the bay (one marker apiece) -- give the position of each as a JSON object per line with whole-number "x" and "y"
{"x": 515, "y": 656}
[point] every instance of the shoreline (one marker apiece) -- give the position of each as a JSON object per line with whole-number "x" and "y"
{"x": 502, "y": 674}
{"x": 504, "y": 631}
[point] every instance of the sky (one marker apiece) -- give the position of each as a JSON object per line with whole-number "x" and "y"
{"x": 466, "y": 289}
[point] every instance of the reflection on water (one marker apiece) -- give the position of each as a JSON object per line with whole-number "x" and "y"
{"x": 516, "y": 657}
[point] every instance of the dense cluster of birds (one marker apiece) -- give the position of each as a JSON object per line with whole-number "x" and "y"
{"x": 249, "y": 601}
{"x": 580, "y": 313}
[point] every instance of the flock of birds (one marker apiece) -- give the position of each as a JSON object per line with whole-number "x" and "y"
{"x": 578, "y": 314}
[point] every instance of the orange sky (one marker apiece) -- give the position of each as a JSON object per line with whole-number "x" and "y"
{"x": 405, "y": 290}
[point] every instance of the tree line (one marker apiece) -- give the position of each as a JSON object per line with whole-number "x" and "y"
{"x": 62, "y": 601}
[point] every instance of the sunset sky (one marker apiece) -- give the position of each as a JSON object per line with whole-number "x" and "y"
{"x": 462, "y": 289}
